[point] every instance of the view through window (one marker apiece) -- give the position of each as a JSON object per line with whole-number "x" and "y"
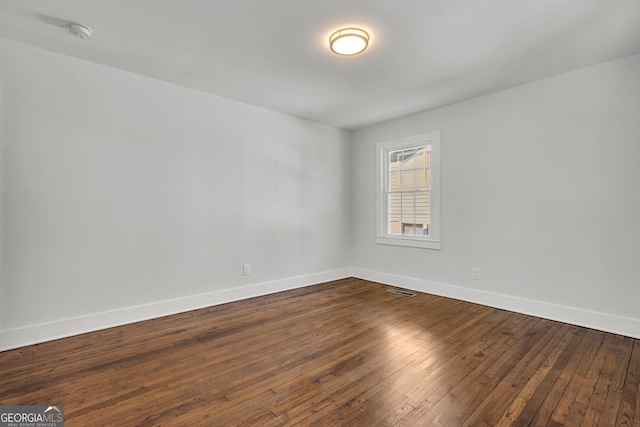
{"x": 409, "y": 185}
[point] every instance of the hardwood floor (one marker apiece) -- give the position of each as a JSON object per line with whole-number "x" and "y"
{"x": 344, "y": 353}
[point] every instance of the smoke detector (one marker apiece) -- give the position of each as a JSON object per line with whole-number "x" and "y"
{"x": 79, "y": 30}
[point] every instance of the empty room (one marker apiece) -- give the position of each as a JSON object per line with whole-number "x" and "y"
{"x": 295, "y": 213}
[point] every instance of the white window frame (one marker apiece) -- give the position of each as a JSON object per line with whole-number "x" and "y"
{"x": 432, "y": 241}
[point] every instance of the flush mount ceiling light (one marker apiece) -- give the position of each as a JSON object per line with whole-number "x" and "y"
{"x": 349, "y": 41}
{"x": 79, "y": 30}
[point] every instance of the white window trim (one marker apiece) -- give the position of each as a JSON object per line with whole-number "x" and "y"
{"x": 382, "y": 237}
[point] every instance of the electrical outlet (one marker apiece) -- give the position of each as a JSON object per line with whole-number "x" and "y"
{"x": 475, "y": 273}
{"x": 246, "y": 269}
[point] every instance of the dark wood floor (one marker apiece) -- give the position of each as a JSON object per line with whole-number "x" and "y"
{"x": 344, "y": 353}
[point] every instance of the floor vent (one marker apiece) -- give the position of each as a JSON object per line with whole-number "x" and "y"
{"x": 403, "y": 293}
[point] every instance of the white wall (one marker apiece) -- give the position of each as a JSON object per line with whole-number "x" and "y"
{"x": 124, "y": 197}
{"x": 540, "y": 189}
{"x": 119, "y": 191}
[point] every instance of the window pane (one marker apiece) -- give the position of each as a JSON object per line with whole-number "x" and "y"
{"x": 422, "y": 211}
{"x": 394, "y": 226}
{"x": 412, "y": 229}
{"x": 423, "y": 179}
{"x": 409, "y": 180}
{"x": 408, "y": 208}
{"x": 424, "y": 157}
{"x": 394, "y": 181}
{"x": 408, "y": 229}
{"x": 394, "y": 212}
{"x": 395, "y": 156}
{"x": 409, "y": 159}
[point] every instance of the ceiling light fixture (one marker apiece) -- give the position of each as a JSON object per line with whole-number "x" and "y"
{"x": 79, "y": 30}
{"x": 349, "y": 41}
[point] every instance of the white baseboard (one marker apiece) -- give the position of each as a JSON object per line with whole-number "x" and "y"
{"x": 576, "y": 316}
{"x": 33, "y": 334}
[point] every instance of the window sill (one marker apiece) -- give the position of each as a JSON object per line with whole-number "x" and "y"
{"x": 413, "y": 243}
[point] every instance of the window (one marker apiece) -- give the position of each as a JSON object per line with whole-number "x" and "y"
{"x": 408, "y": 202}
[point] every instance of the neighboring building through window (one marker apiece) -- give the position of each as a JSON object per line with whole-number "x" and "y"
{"x": 408, "y": 191}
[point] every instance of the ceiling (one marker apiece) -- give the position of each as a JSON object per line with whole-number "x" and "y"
{"x": 273, "y": 53}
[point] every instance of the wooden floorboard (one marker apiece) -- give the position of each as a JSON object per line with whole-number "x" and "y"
{"x": 343, "y": 353}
